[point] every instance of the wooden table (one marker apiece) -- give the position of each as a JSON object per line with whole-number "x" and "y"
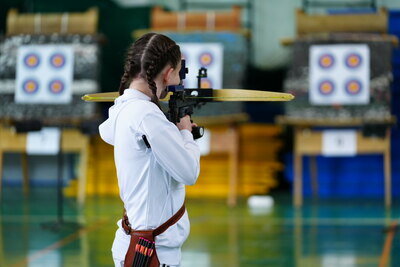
{"x": 308, "y": 142}
{"x": 72, "y": 141}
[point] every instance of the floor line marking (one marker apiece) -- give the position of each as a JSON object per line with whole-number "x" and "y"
{"x": 305, "y": 221}
{"x": 60, "y": 243}
{"x": 387, "y": 247}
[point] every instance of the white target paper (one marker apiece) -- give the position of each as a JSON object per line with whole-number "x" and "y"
{"x": 44, "y": 74}
{"x": 44, "y": 142}
{"x": 339, "y": 74}
{"x": 339, "y": 143}
{"x": 208, "y": 55}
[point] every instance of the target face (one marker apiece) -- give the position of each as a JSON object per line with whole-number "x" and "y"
{"x": 31, "y": 60}
{"x": 353, "y": 60}
{"x": 44, "y": 74}
{"x": 339, "y": 74}
{"x": 57, "y": 60}
{"x": 326, "y": 61}
{"x": 326, "y": 87}
{"x": 206, "y": 59}
{"x": 56, "y": 86}
{"x": 353, "y": 87}
{"x": 30, "y": 86}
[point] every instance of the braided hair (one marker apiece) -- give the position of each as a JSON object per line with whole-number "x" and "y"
{"x": 146, "y": 58}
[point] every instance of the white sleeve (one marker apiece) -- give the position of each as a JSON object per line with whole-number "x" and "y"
{"x": 174, "y": 150}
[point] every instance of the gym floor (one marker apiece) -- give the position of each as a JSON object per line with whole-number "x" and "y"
{"x": 335, "y": 232}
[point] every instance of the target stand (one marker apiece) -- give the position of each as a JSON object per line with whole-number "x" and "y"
{"x": 308, "y": 142}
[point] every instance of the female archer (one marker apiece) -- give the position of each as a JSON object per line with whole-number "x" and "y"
{"x": 154, "y": 158}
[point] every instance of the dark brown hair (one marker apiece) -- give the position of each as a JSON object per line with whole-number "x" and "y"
{"x": 146, "y": 57}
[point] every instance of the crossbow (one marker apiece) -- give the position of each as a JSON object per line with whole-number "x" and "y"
{"x": 182, "y": 101}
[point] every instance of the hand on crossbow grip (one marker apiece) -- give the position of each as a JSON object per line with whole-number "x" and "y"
{"x": 184, "y": 123}
{"x": 187, "y": 123}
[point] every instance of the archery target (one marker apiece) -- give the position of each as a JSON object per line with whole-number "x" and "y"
{"x": 56, "y": 86}
{"x": 31, "y": 60}
{"x": 353, "y": 60}
{"x": 208, "y": 55}
{"x": 326, "y": 87}
{"x": 326, "y": 61}
{"x": 206, "y": 59}
{"x": 353, "y": 87}
{"x": 30, "y": 86}
{"x": 57, "y": 60}
{"x": 339, "y": 74}
{"x": 44, "y": 74}
{"x": 206, "y": 83}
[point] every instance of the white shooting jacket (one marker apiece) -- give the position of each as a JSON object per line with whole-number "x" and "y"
{"x": 151, "y": 180}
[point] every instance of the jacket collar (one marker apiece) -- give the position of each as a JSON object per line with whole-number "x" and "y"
{"x": 131, "y": 94}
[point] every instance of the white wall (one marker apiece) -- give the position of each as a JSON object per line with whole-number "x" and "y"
{"x": 273, "y": 20}
{"x": 390, "y": 4}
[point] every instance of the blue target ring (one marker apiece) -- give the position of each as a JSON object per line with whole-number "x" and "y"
{"x": 32, "y": 60}
{"x": 56, "y": 86}
{"x": 353, "y": 87}
{"x": 353, "y": 60}
{"x": 206, "y": 59}
{"x": 57, "y": 60}
{"x": 326, "y": 87}
{"x": 326, "y": 61}
{"x": 30, "y": 86}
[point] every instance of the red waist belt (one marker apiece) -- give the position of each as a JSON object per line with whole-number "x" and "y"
{"x": 141, "y": 251}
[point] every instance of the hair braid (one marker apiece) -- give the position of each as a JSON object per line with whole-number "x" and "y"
{"x": 146, "y": 58}
{"x": 152, "y": 62}
{"x": 152, "y": 84}
{"x": 124, "y": 81}
{"x": 132, "y": 65}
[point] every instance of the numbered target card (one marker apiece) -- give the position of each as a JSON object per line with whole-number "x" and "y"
{"x": 207, "y": 55}
{"x": 44, "y": 74}
{"x": 339, "y": 74}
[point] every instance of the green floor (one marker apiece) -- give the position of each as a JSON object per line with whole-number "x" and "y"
{"x": 340, "y": 232}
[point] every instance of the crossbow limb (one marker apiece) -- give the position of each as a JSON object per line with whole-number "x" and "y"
{"x": 216, "y": 95}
